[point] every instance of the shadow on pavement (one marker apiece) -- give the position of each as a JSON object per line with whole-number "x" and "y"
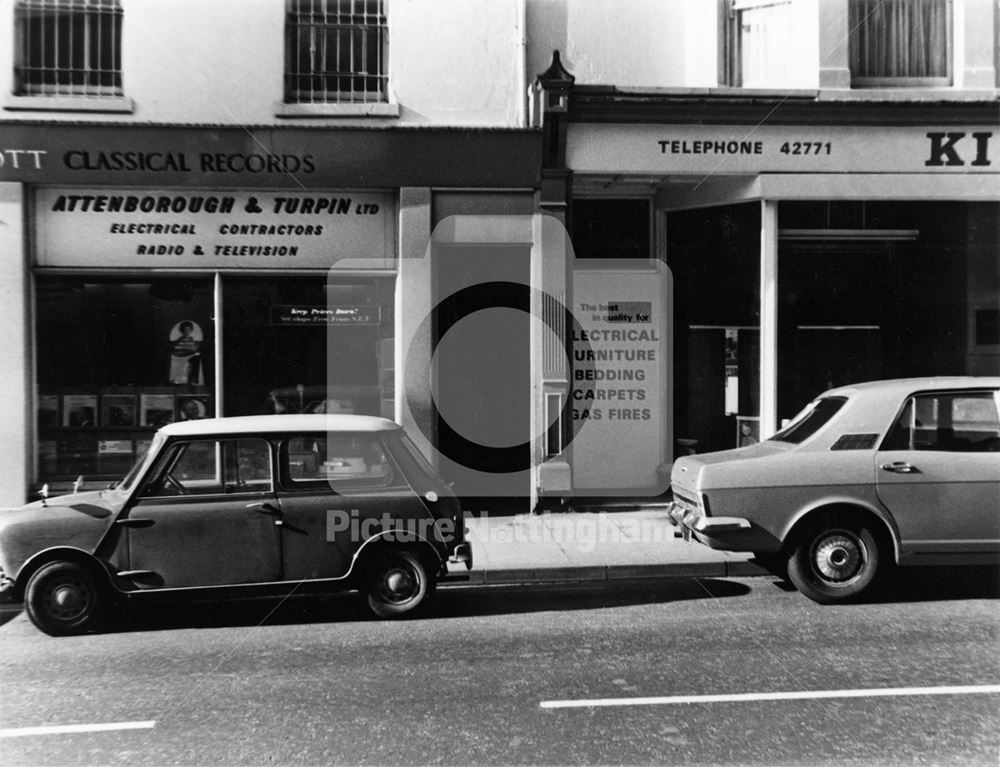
{"x": 450, "y": 602}
{"x": 8, "y": 612}
{"x": 499, "y": 600}
{"x": 930, "y": 584}
{"x": 933, "y": 584}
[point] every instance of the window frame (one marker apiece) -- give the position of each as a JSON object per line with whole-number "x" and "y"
{"x": 85, "y": 21}
{"x": 906, "y": 81}
{"x": 817, "y": 410}
{"x": 394, "y": 482}
{"x": 175, "y": 450}
{"x": 885, "y": 444}
{"x": 731, "y": 54}
{"x": 333, "y": 24}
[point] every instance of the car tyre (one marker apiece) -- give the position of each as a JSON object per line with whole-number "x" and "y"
{"x": 398, "y": 583}
{"x": 836, "y": 560}
{"x": 64, "y": 598}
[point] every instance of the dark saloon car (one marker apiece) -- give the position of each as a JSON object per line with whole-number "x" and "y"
{"x": 229, "y": 507}
{"x": 867, "y": 476}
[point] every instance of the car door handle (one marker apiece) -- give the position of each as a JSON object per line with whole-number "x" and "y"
{"x": 265, "y": 508}
{"x": 900, "y": 467}
{"x": 129, "y": 522}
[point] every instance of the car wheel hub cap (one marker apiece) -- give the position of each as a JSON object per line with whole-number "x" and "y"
{"x": 838, "y": 558}
{"x": 398, "y": 583}
{"x": 67, "y": 600}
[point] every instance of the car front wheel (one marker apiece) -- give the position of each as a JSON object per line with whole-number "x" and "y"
{"x": 398, "y": 583}
{"x": 63, "y": 598}
{"x": 837, "y": 560}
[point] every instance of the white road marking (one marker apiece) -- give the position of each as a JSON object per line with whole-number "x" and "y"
{"x": 62, "y": 729}
{"x": 985, "y": 689}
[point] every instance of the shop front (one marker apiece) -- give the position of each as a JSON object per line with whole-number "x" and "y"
{"x": 168, "y": 281}
{"x": 205, "y": 303}
{"x": 808, "y": 245}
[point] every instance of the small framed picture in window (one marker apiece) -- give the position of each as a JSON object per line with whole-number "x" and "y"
{"x": 156, "y": 409}
{"x": 80, "y": 410}
{"x": 193, "y": 407}
{"x": 118, "y": 410}
{"x": 747, "y": 430}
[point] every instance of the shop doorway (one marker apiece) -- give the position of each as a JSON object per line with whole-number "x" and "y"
{"x": 481, "y": 374}
{"x": 838, "y": 301}
{"x": 722, "y": 387}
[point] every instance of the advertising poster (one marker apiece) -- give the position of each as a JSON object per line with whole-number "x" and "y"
{"x": 619, "y": 380}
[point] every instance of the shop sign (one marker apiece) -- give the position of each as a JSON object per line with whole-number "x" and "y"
{"x": 137, "y": 228}
{"x": 618, "y": 379}
{"x": 726, "y": 149}
{"x": 286, "y": 157}
{"x": 308, "y": 316}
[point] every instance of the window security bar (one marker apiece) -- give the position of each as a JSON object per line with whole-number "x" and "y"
{"x": 336, "y": 51}
{"x": 68, "y": 48}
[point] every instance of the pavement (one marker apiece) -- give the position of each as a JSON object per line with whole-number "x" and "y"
{"x": 592, "y": 546}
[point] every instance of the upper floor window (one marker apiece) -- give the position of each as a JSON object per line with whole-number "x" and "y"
{"x": 759, "y": 36}
{"x": 335, "y": 51}
{"x": 900, "y": 42}
{"x": 68, "y": 48}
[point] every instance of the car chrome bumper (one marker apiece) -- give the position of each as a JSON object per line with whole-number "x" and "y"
{"x": 7, "y": 590}
{"x": 462, "y": 555}
{"x": 691, "y": 521}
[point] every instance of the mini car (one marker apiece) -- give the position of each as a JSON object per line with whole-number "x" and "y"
{"x": 231, "y": 507}
{"x": 866, "y": 477}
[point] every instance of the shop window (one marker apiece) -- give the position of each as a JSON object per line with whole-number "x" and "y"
{"x": 900, "y": 43}
{"x": 335, "y": 51}
{"x": 115, "y": 361}
{"x": 69, "y": 48}
{"x": 611, "y": 228}
{"x": 308, "y": 345}
{"x": 759, "y": 35}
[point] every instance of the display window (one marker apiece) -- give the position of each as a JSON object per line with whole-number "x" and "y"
{"x": 308, "y": 345}
{"x": 117, "y": 359}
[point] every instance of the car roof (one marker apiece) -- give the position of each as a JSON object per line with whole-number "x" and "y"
{"x": 268, "y": 424}
{"x": 907, "y": 385}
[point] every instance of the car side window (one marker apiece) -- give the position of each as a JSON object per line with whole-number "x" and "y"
{"x": 954, "y": 422}
{"x": 208, "y": 467}
{"x": 337, "y": 461}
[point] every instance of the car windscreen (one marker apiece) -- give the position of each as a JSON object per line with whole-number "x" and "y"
{"x": 140, "y": 463}
{"x": 417, "y": 456}
{"x": 810, "y": 420}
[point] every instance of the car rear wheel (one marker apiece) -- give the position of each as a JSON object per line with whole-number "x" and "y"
{"x": 836, "y": 560}
{"x": 398, "y": 583}
{"x": 63, "y": 598}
